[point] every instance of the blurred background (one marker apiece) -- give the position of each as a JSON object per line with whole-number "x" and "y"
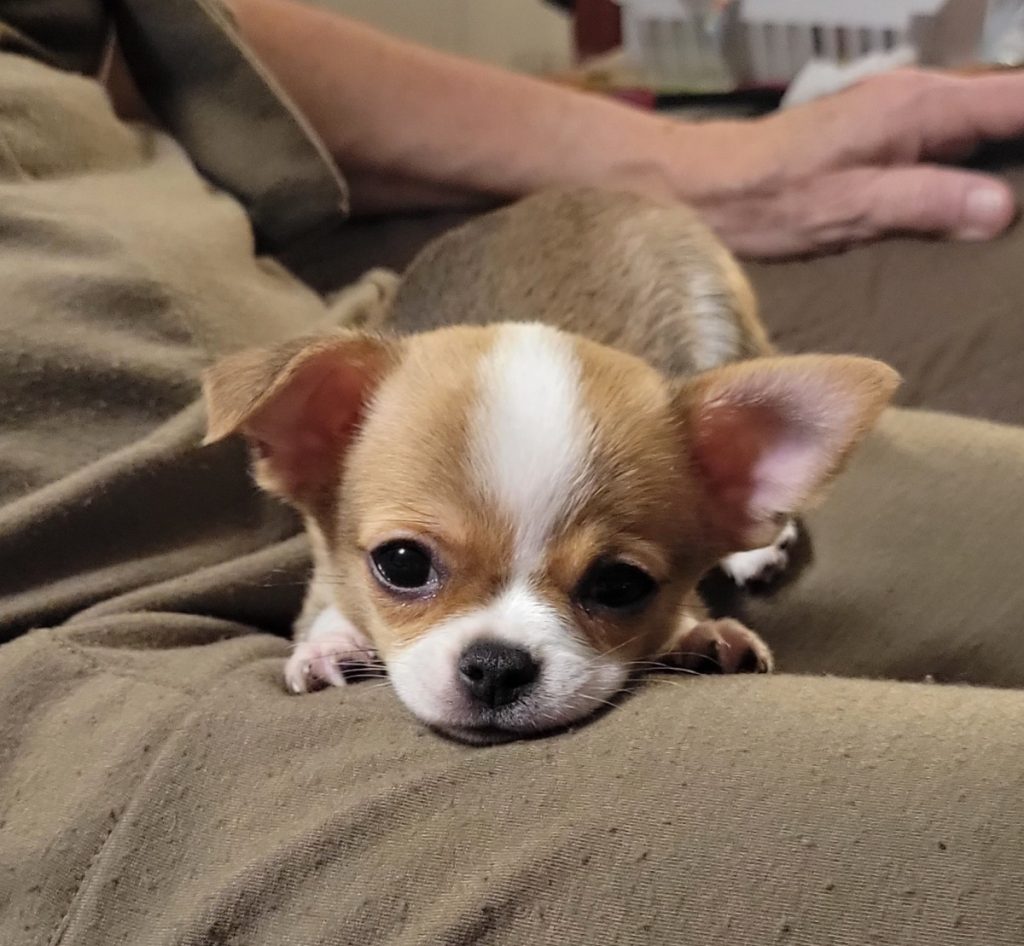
{"x": 663, "y": 52}
{"x": 526, "y": 35}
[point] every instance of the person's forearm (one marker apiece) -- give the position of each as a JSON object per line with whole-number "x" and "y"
{"x": 386, "y": 107}
{"x": 411, "y": 127}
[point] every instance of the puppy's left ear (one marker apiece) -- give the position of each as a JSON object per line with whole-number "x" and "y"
{"x": 299, "y": 406}
{"x": 766, "y": 435}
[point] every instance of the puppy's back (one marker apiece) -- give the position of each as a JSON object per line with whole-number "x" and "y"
{"x": 646, "y": 277}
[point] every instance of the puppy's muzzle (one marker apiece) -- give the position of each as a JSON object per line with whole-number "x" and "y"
{"x": 495, "y": 674}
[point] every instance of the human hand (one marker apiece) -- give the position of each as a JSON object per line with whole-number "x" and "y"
{"x": 857, "y": 165}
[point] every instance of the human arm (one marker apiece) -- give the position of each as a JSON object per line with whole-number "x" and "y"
{"x": 415, "y": 127}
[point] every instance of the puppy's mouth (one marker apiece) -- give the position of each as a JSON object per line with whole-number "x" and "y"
{"x": 480, "y": 735}
{"x": 489, "y": 734}
{"x": 485, "y": 726}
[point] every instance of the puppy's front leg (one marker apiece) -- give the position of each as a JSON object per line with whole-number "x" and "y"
{"x": 722, "y": 646}
{"x": 323, "y": 648}
{"x": 764, "y": 566}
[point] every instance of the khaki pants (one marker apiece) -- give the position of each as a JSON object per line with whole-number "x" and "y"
{"x": 158, "y": 786}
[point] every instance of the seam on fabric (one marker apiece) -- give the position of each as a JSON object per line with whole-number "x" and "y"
{"x": 10, "y": 154}
{"x": 62, "y": 926}
{"x": 59, "y": 931}
{"x": 94, "y": 663}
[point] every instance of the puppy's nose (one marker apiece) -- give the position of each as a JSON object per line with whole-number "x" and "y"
{"x": 497, "y": 674}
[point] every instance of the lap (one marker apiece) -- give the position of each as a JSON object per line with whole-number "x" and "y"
{"x": 172, "y": 792}
{"x": 915, "y": 571}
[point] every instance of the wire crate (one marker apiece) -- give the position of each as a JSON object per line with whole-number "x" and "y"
{"x": 709, "y": 45}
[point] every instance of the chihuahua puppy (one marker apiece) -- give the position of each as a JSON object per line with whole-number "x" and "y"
{"x": 512, "y": 498}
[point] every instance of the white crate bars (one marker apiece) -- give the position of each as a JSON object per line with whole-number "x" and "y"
{"x": 709, "y": 44}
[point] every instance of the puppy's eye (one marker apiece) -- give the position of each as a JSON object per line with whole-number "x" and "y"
{"x": 404, "y": 565}
{"x": 616, "y": 586}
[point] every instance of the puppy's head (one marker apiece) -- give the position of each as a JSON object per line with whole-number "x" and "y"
{"x": 517, "y": 516}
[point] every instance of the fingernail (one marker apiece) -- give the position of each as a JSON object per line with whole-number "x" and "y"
{"x": 987, "y": 211}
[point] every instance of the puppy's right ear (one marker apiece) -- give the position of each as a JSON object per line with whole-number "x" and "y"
{"x": 298, "y": 405}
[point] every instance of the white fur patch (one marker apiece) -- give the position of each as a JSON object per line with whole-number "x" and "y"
{"x": 762, "y": 564}
{"x": 531, "y": 435}
{"x": 717, "y": 337}
{"x": 574, "y": 679}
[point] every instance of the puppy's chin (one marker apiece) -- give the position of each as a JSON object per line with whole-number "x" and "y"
{"x": 484, "y": 735}
{"x": 492, "y": 735}
{"x": 531, "y": 720}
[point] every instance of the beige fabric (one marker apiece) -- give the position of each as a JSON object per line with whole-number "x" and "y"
{"x": 210, "y": 92}
{"x": 917, "y": 560}
{"x": 123, "y": 274}
{"x": 158, "y": 786}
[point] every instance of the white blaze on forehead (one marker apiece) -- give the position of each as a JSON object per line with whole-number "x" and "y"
{"x": 531, "y": 434}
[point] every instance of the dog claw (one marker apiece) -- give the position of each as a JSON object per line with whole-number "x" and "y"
{"x": 318, "y": 661}
{"x": 723, "y": 646}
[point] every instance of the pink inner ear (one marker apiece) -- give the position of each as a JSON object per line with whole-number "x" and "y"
{"x": 303, "y": 430}
{"x": 762, "y": 457}
{"x": 766, "y": 434}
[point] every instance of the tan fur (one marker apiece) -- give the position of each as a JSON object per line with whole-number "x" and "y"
{"x": 647, "y": 507}
{"x": 370, "y": 436}
{"x": 420, "y": 440}
{"x": 640, "y": 276}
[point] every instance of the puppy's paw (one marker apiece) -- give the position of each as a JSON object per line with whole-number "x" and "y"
{"x": 333, "y": 642}
{"x": 763, "y": 566}
{"x": 723, "y": 646}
